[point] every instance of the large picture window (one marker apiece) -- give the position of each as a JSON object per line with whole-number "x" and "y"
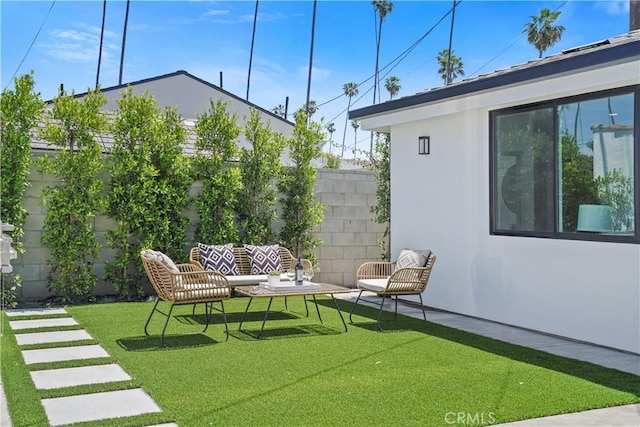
{"x": 567, "y": 168}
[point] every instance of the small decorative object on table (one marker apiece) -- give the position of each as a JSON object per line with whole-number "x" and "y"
{"x": 274, "y": 278}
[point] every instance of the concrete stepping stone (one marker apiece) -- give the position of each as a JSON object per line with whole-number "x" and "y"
{"x": 98, "y": 406}
{"x": 42, "y": 323}
{"x": 35, "y": 312}
{"x": 61, "y": 354}
{"x": 51, "y": 337}
{"x": 67, "y": 377}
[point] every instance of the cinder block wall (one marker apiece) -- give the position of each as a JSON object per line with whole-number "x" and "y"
{"x": 349, "y": 236}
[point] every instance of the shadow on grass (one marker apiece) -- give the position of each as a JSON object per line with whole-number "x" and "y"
{"x": 284, "y": 333}
{"x": 172, "y": 342}
{"x": 598, "y": 374}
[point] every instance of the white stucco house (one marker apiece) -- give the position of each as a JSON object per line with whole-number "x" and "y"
{"x": 517, "y": 161}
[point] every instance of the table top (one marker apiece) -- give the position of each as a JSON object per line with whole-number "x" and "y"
{"x": 257, "y": 291}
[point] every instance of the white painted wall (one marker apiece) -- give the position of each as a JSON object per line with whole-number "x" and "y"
{"x": 587, "y": 291}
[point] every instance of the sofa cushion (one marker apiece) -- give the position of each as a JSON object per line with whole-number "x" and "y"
{"x": 412, "y": 258}
{"x": 373, "y": 285}
{"x": 219, "y": 258}
{"x": 197, "y": 290}
{"x": 263, "y": 259}
{"x": 246, "y": 280}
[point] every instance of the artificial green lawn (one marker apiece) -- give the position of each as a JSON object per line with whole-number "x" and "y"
{"x": 304, "y": 373}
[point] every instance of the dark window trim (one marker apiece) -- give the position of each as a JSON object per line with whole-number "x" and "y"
{"x": 553, "y": 103}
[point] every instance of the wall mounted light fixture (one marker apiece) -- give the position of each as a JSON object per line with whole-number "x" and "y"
{"x": 424, "y": 145}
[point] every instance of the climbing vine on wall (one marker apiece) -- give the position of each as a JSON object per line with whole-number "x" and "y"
{"x": 216, "y": 144}
{"x": 148, "y": 189}
{"x": 71, "y": 127}
{"x": 259, "y": 168}
{"x": 20, "y": 110}
{"x": 301, "y": 211}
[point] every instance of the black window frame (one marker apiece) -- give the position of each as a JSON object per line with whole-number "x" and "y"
{"x": 554, "y": 103}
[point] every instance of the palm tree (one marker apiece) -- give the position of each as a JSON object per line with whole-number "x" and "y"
{"x": 124, "y": 41}
{"x": 541, "y": 32}
{"x": 355, "y": 126}
{"x": 392, "y": 84}
{"x": 350, "y": 89}
{"x": 278, "y": 110}
{"x": 104, "y": 14}
{"x": 456, "y": 67}
{"x": 331, "y": 128}
{"x": 381, "y": 8}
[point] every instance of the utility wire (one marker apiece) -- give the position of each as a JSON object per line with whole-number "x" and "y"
{"x": 32, "y": 42}
{"x": 393, "y": 63}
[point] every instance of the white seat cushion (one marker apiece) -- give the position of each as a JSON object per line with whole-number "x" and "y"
{"x": 197, "y": 290}
{"x": 253, "y": 279}
{"x": 373, "y": 285}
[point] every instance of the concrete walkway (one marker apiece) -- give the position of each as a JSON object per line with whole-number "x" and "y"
{"x": 135, "y": 401}
{"x": 75, "y": 408}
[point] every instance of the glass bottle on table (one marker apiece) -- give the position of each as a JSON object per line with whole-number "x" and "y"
{"x": 299, "y": 271}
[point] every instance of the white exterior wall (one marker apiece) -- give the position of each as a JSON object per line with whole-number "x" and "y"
{"x": 587, "y": 291}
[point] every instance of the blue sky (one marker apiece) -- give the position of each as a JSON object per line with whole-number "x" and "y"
{"x": 209, "y": 37}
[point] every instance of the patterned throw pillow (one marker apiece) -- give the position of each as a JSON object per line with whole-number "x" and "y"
{"x": 219, "y": 258}
{"x": 263, "y": 259}
{"x": 412, "y": 258}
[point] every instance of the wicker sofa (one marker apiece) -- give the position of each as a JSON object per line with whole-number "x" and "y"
{"x": 245, "y": 277}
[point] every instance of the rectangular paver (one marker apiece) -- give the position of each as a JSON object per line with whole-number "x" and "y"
{"x": 46, "y": 355}
{"x": 98, "y": 406}
{"x": 35, "y": 312}
{"x": 68, "y": 377}
{"x": 42, "y": 323}
{"x": 51, "y": 337}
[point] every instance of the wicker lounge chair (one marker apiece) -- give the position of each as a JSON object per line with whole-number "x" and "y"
{"x": 385, "y": 279}
{"x": 184, "y": 284}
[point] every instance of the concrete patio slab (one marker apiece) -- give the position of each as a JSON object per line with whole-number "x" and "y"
{"x": 619, "y": 416}
{"x": 68, "y": 377}
{"x": 51, "y": 337}
{"x": 42, "y": 323}
{"x": 35, "y": 312}
{"x": 46, "y": 355}
{"x": 98, "y": 406}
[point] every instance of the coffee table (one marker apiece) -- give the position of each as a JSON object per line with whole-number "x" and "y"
{"x": 261, "y": 291}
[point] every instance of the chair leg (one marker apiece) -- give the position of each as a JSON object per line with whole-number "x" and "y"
{"x": 380, "y": 314}
{"x": 395, "y": 315}
{"x": 224, "y": 317}
{"x": 165, "y": 325}
{"x": 208, "y": 312}
{"x": 354, "y": 307}
{"x": 424, "y": 315}
{"x": 151, "y": 315}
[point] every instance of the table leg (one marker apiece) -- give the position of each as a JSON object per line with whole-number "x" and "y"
{"x": 244, "y": 314}
{"x": 339, "y": 312}
{"x": 266, "y": 313}
{"x": 317, "y": 309}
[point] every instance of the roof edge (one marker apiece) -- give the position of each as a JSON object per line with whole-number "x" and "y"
{"x": 612, "y": 54}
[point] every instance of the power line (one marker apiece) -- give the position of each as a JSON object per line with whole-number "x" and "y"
{"x": 395, "y": 62}
{"x": 32, "y": 42}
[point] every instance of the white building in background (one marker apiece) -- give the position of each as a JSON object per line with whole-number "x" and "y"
{"x": 533, "y": 269}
